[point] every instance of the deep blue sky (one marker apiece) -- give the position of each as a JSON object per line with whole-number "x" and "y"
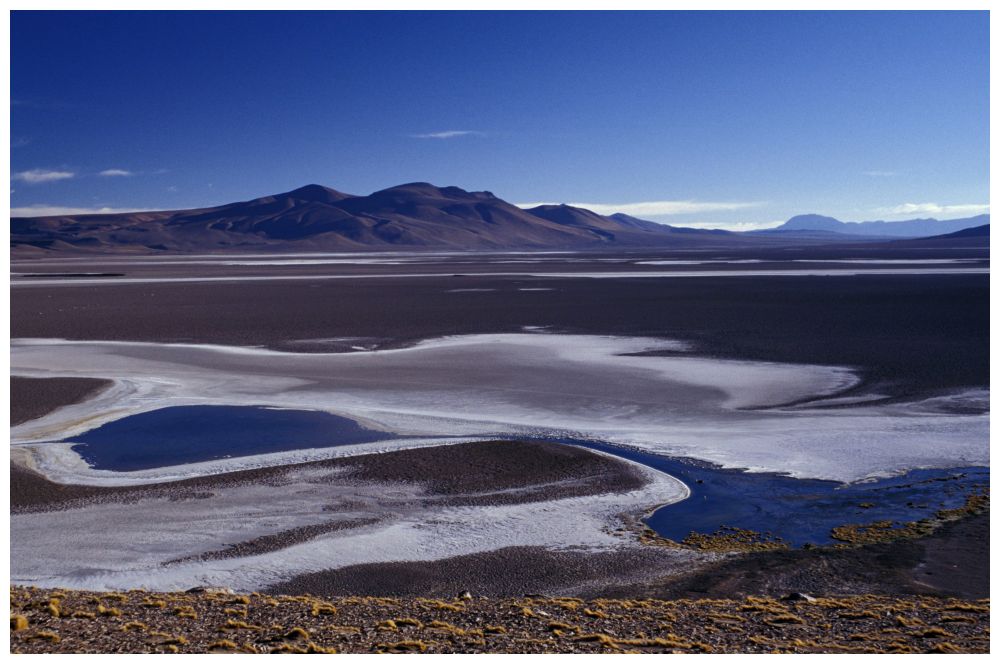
{"x": 851, "y": 114}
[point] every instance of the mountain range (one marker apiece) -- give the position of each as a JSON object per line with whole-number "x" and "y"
{"x": 882, "y": 229}
{"x": 417, "y": 215}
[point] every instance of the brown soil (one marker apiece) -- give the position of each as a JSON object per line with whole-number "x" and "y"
{"x": 507, "y": 572}
{"x": 953, "y": 561}
{"x": 489, "y": 472}
{"x": 217, "y": 621}
{"x": 908, "y": 333}
{"x": 277, "y": 541}
{"x": 31, "y": 398}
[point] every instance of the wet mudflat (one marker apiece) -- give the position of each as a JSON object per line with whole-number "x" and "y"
{"x": 254, "y": 528}
{"x": 908, "y": 333}
{"x": 678, "y": 404}
{"x": 905, "y": 335}
{"x": 797, "y": 511}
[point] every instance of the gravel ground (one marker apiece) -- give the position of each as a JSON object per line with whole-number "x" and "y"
{"x": 908, "y": 334}
{"x": 953, "y": 561}
{"x": 488, "y": 473}
{"x": 507, "y": 572}
{"x": 31, "y": 398}
{"x": 479, "y": 473}
{"x": 44, "y": 621}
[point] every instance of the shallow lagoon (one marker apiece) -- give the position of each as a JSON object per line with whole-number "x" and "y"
{"x": 657, "y": 394}
{"x": 799, "y": 511}
{"x": 189, "y": 434}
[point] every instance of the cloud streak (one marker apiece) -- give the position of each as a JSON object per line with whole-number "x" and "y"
{"x": 451, "y": 133}
{"x": 116, "y": 172}
{"x": 44, "y": 210}
{"x": 935, "y": 208}
{"x": 40, "y": 175}
{"x": 736, "y": 226}
{"x": 880, "y": 174}
{"x": 658, "y": 208}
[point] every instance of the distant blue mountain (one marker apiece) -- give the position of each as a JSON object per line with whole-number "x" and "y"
{"x": 908, "y": 228}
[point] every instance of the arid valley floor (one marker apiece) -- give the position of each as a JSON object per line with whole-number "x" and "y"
{"x": 526, "y": 427}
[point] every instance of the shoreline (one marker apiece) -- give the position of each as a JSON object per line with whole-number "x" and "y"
{"x": 611, "y": 573}
{"x": 427, "y": 503}
{"x": 48, "y": 496}
{"x": 688, "y": 405}
{"x": 33, "y": 398}
{"x": 945, "y": 314}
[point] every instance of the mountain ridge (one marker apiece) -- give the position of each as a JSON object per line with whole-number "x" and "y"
{"x": 412, "y": 216}
{"x": 409, "y": 216}
{"x": 920, "y": 227}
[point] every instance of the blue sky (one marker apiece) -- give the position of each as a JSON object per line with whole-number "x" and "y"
{"x": 724, "y": 119}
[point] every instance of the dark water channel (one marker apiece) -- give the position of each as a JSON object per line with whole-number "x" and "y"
{"x": 800, "y": 511}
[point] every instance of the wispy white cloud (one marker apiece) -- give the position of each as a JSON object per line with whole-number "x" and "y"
{"x": 738, "y": 226}
{"x": 116, "y": 172}
{"x": 43, "y": 210}
{"x": 935, "y": 208}
{"x": 657, "y": 208}
{"x": 40, "y": 175}
{"x": 880, "y": 174}
{"x": 451, "y": 133}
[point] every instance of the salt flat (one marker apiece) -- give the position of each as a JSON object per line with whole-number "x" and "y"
{"x": 733, "y": 412}
{"x": 76, "y": 548}
{"x": 934, "y": 269}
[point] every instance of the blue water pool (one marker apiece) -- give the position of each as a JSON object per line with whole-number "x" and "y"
{"x": 188, "y": 434}
{"x": 800, "y": 511}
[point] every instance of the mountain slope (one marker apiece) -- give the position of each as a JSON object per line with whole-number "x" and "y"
{"x": 315, "y": 218}
{"x": 975, "y": 231}
{"x": 414, "y": 216}
{"x": 967, "y": 238}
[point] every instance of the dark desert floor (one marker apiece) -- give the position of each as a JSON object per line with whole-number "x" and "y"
{"x": 31, "y": 398}
{"x": 953, "y": 561}
{"x": 906, "y": 334}
{"x": 472, "y": 473}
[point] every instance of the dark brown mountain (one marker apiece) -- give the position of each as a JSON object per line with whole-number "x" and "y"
{"x": 407, "y": 217}
{"x": 315, "y": 218}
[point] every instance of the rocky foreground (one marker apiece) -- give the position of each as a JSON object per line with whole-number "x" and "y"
{"x": 207, "y": 620}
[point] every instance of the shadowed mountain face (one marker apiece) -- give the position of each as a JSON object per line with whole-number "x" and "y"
{"x": 410, "y": 216}
{"x": 977, "y": 236}
{"x": 975, "y": 231}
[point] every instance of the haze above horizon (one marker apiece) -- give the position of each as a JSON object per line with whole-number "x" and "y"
{"x": 716, "y": 119}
